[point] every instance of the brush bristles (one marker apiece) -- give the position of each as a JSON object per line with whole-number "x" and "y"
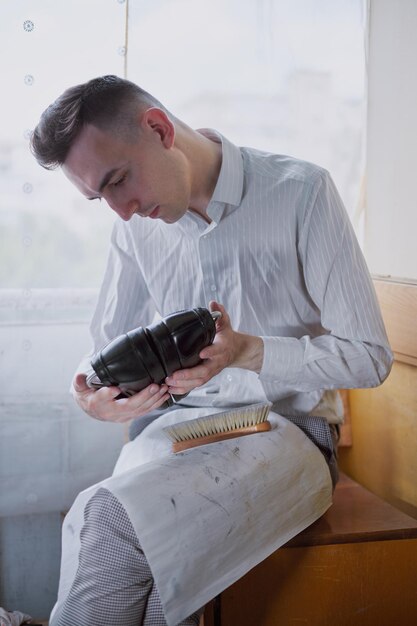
{"x": 218, "y": 423}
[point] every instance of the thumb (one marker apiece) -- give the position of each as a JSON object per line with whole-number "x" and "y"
{"x": 224, "y": 320}
{"x": 79, "y": 383}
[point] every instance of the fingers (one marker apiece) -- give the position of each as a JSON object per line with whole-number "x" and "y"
{"x": 216, "y": 306}
{"x": 102, "y": 404}
{"x": 141, "y": 403}
{"x": 183, "y": 381}
{"x": 215, "y": 358}
{"x": 224, "y": 321}
{"x": 79, "y": 383}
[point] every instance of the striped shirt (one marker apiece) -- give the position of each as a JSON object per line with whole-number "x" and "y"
{"x": 281, "y": 255}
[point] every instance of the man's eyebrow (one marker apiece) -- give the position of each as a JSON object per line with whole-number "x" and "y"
{"x": 104, "y": 181}
{"x": 106, "y": 178}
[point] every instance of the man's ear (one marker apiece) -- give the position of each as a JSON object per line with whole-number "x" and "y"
{"x": 155, "y": 120}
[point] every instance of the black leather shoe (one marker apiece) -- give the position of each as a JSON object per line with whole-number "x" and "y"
{"x": 148, "y": 355}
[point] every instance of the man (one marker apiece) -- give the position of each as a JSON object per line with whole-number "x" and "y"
{"x": 203, "y": 220}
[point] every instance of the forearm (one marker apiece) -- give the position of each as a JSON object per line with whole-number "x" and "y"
{"x": 325, "y": 362}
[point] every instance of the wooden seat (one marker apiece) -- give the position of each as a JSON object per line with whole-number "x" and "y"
{"x": 357, "y": 516}
{"x": 355, "y": 566}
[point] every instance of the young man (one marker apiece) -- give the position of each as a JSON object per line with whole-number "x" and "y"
{"x": 205, "y": 221}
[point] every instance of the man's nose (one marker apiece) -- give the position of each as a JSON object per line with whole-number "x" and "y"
{"x": 125, "y": 211}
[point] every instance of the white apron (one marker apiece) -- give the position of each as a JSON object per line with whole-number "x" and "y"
{"x": 206, "y": 516}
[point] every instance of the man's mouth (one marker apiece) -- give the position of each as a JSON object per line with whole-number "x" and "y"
{"x": 154, "y": 214}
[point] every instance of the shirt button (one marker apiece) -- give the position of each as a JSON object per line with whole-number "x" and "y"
{"x": 213, "y": 287}
{"x": 229, "y": 378}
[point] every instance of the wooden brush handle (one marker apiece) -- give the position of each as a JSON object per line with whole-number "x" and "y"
{"x": 179, "y": 446}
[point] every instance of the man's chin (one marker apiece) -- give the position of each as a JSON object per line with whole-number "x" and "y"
{"x": 171, "y": 219}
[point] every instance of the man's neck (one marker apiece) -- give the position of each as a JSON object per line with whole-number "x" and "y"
{"x": 205, "y": 158}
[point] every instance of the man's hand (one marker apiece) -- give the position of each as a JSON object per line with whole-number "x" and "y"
{"x": 102, "y": 404}
{"x": 229, "y": 349}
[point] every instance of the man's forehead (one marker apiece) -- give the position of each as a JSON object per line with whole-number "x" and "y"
{"x": 91, "y": 155}
{"x": 78, "y": 178}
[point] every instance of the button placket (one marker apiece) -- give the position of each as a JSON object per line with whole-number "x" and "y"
{"x": 209, "y": 277}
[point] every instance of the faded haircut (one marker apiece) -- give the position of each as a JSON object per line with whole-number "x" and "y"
{"x": 108, "y": 102}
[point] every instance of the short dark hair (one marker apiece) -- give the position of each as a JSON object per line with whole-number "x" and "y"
{"x": 107, "y": 102}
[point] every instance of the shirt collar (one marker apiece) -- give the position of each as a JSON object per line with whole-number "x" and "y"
{"x": 229, "y": 186}
{"x": 228, "y": 191}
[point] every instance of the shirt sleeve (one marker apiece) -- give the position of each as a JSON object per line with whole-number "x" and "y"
{"x": 124, "y": 301}
{"x": 353, "y": 349}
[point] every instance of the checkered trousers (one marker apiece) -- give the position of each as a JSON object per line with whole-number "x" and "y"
{"x": 113, "y": 585}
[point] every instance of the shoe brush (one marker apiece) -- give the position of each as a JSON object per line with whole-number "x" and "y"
{"x": 245, "y": 420}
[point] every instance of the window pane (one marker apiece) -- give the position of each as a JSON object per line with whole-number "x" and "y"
{"x": 50, "y": 236}
{"x": 280, "y": 75}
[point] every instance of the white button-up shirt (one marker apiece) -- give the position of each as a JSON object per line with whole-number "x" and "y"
{"x": 281, "y": 255}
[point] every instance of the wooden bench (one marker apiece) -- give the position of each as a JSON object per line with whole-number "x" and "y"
{"x": 357, "y": 565}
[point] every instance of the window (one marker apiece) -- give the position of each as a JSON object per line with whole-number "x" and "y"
{"x": 50, "y": 236}
{"x": 281, "y": 75}
{"x": 286, "y": 76}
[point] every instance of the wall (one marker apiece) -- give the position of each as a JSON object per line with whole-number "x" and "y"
{"x": 384, "y": 420}
{"x": 391, "y": 212}
{"x": 49, "y": 449}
